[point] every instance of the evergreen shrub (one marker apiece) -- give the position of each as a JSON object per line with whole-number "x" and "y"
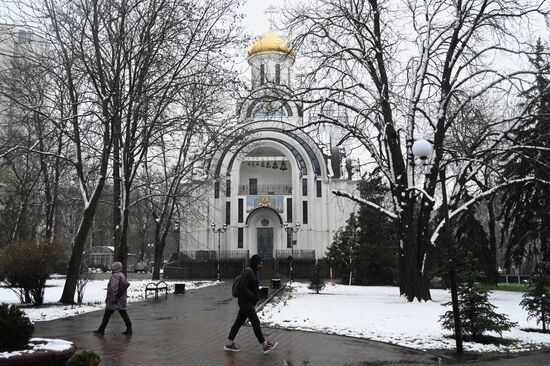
{"x": 16, "y": 328}
{"x": 477, "y": 315}
{"x": 84, "y": 358}
{"x": 537, "y": 300}
{"x": 316, "y": 283}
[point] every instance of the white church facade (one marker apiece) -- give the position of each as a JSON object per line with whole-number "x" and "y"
{"x": 272, "y": 183}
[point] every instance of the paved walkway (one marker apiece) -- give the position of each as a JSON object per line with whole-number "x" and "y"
{"x": 190, "y": 329}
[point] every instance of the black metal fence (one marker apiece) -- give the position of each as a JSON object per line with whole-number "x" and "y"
{"x": 204, "y": 264}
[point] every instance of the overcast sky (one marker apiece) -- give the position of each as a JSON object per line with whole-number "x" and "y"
{"x": 256, "y": 21}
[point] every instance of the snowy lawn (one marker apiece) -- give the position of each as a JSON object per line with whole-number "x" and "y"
{"x": 94, "y": 297}
{"x": 379, "y": 313}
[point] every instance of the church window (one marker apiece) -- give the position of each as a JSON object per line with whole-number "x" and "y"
{"x": 253, "y": 185}
{"x": 277, "y": 74}
{"x": 240, "y": 237}
{"x": 216, "y": 189}
{"x": 228, "y": 188}
{"x": 240, "y": 210}
{"x": 262, "y": 74}
{"x": 304, "y": 187}
{"x": 228, "y": 213}
{"x": 304, "y": 212}
{"x": 289, "y": 209}
{"x": 318, "y": 188}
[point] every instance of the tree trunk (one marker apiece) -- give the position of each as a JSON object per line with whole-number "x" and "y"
{"x": 117, "y": 191}
{"x": 160, "y": 243}
{"x": 414, "y": 282}
{"x": 73, "y": 272}
{"x": 492, "y": 271}
{"x": 122, "y": 249}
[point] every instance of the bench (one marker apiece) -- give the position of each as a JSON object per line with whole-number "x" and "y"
{"x": 156, "y": 287}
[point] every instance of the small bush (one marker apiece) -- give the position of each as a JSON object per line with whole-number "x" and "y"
{"x": 537, "y": 300}
{"x": 477, "y": 315}
{"x": 16, "y": 328}
{"x": 26, "y": 267}
{"x": 316, "y": 282}
{"x": 84, "y": 358}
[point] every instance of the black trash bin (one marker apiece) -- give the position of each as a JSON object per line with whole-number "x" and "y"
{"x": 275, "y": 283}
{"x": 264, "y": 292}
{"x": 179, "y": 288}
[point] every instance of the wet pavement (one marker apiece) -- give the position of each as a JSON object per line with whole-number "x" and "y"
{"x": 191, "y": 329}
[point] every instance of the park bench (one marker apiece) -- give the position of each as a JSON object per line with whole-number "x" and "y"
{"x": 156, "y": 287}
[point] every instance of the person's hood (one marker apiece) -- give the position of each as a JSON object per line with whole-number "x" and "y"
{"x": 256, "y": 258}
{"x": 116, "y": 267}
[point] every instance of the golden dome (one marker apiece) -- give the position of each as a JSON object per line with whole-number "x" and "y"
{"x": 269, "y": 42}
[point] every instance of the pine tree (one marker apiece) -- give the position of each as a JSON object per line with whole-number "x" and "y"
{"x": 316, "y": 283}
{"x": 477, "y": 315}
{"x": 367, "y": 245}
{"x": 471, "y": 238}
{"x": 537, "y": 300}
{"x": 526, "y": 215}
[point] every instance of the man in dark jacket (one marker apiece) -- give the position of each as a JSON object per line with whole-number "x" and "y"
{"x": 249, "y": 294}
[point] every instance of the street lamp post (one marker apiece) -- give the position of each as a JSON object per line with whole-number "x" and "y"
{"x": 422, "y": 149}
{"x": 289, "y": 230}
{"x": 219, "y": 231}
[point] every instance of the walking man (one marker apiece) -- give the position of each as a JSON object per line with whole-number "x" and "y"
{"x": 116, "y": 299}
{"x": 249, "y": 294}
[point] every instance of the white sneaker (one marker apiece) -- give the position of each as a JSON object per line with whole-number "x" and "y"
{"x": 231, "y": 348}
{"x": 268, "y": 346}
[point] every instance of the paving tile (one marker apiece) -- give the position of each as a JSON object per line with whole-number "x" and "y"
{"x": 191, "y": 329}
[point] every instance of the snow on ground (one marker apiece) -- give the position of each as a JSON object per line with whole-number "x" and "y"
{"x": 94, "y": 297}
{"x": 40, "y": 344}
{"x": 379, "y": 313}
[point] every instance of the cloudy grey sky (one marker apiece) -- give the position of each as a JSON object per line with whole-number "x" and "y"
{"x": 256, "y": 21}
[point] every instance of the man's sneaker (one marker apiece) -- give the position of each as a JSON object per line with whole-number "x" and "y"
{"x": 231, "y": 348}
{"x": 268, "y": 346}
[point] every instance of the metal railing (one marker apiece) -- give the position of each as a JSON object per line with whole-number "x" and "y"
{"x": 212, "y": 255}
{"x": 307, "y": 254}
{"x": 244, "y": 189}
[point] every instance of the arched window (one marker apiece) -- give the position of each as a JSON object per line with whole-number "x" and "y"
{"x": 262, "y": 74}
{"x": 277, "y": 74}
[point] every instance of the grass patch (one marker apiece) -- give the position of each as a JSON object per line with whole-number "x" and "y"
{"x": 486, "y": 339}
{"x": 513, "y": 287}
{"x": 536, "y": 330}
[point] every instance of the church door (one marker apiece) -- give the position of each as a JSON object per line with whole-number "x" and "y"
{"x": 265, "y": 242}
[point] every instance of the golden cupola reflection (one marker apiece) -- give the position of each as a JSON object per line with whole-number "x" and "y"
{"x": 269, "y": 42}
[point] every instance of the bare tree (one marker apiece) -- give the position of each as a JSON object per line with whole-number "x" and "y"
{"x": 159, "y": 50}
{"x": 406, "y": 71}
{"x": 174, "y": 170}
{"x": 31, "y": 179}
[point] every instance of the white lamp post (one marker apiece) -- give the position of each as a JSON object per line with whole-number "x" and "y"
{"x": 219, "y": 231}
{"x": 422, "y": 149}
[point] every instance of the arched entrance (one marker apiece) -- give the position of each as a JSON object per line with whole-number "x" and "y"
{"x": 264, "y": 231}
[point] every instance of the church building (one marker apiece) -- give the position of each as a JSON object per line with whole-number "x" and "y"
{"x": 272, "y": 184}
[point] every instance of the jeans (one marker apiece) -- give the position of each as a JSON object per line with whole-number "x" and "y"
{"x": 247, "y": 311}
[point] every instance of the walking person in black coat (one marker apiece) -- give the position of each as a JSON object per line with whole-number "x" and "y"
{"x": 249, "y": 294}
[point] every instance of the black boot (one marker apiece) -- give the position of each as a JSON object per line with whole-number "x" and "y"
{"x": 104, "y": 322}
{"x": 127, "y": 321}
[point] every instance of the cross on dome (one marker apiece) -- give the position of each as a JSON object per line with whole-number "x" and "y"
{"x": 271, "y": 11}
